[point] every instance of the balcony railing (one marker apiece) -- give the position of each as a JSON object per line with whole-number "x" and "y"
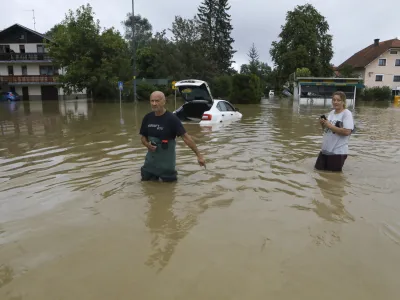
{"x": 28, "y": 79}
{"x": 24, "y": 57}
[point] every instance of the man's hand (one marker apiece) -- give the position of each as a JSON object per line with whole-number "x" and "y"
{"x": 147, "y": 144}
{"x": 201, "y": 160}
{"x": 151, "y": 147}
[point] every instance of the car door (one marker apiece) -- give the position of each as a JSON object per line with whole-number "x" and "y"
{"x": 224, "y": 111}
{"x": 231, "y": 111}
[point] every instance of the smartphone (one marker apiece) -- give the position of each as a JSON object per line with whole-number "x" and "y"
{"x": 323, "y": 117}
{"x": 153, "y": 143}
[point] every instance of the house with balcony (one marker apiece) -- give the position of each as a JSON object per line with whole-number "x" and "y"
{"x": 378, "y": 64}
{"x": 25, "y": 66}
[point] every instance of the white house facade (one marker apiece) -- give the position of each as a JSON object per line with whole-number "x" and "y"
{"x": 26, "y": 68}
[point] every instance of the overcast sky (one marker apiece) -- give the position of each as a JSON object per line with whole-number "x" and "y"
{"x": 354, "y": 24}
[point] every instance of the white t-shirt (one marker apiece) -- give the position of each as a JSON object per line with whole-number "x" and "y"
{"x": 334, "y": 143}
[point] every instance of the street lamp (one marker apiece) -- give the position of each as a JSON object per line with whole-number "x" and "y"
{"x": 134, "y": 50}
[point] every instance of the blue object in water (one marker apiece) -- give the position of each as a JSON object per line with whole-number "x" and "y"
{"x": 9, "y": 96}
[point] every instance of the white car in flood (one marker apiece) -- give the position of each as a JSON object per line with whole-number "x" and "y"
{"x": 200, "y": 106}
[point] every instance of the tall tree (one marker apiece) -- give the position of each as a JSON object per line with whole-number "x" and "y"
{"x": 185, "y": 30}
{"x": 254, "y": 60}
{"x": 304, "y": 42}
{"x": 92, "y": 59}
{"x": 223, "y": 39}
{"x": 215, "y": 31}
{"x": 189, "y": 51}
{"x": 255, "y": 66}
{"x": 143, "y": 30}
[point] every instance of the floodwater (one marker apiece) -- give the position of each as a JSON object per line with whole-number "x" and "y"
{"x": 258, "y": 223}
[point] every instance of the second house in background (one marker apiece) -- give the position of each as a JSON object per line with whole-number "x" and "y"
{"x": 378, "y": 64}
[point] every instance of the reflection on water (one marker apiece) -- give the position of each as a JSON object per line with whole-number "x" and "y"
{"x": 259, "y": 217}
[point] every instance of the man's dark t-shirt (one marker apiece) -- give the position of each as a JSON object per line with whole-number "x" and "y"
{"x": 164, "y": 127}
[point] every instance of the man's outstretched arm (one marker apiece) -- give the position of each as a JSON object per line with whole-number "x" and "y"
{"x": 192, "y": 145}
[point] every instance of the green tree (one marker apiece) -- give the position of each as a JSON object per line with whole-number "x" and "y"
{"x": 215, "y": 31}
{"x": 185, "y": 31}
{"x": 303, "y": 72}
{"x": 189, "y": 53}
{"x": 304, "y": 42}
{"x": 254, "y": 60}
{"x": 91, "y": 59}
{"x": 347, "y": 71}
{"x": 143, "y": 31}
{"x": 224, "y": 41}
{"x": 246, "y": 89}
{"x": 260, "y": 69}
{"x": 52, "y": 30}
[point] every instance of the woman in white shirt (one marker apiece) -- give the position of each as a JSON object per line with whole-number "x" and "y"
{"x": 337, "y": 130}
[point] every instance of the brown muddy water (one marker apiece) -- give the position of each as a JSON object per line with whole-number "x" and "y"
{"x": 258, "y": 223}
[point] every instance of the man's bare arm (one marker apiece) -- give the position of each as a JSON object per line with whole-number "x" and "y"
{"x": 145, "y": 141}
{"x": 191, "y": 144}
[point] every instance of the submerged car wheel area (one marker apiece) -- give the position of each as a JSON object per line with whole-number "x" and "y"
{"x": 199, "y": 105}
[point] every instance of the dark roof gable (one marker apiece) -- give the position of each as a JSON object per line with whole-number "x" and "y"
{"x": 368, "y": 54}
{"x": 20, "y": 34}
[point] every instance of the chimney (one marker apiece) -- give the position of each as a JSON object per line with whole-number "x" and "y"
{"x": 376, "y": 42}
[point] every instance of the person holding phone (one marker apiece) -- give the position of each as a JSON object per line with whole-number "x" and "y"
{"x": 159, "y": 130}
{"x": 337, "y": 127}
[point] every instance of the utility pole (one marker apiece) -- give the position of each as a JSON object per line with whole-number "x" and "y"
{"x": 134, "y": 51}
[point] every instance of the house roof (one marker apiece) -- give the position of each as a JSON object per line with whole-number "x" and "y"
{"x": 368, "y": 54}
{"x": 27, "y": 29}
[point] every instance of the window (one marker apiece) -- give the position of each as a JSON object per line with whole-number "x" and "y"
{"x": 40, "y": 48}
{"x": 4, "y": 48}
{"x": 393, "y": 52}
{"x": 10, "y": 70}
{"x": 379, "y": 78}
{"x": 48, "y": 70}
{"x": 24, "y": 70}
{"x": 396, "y": 78}
{"x": 397, "y": 63}
{"x": 21, "y": 48}
{"x": 221, "y": 106}
{"x": 229, "y": 107}
{"x": 382, "y": 62}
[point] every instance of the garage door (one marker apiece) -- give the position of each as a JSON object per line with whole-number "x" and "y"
{"x": 49, "y": 92}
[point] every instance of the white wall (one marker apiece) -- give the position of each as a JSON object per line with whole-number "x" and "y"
{"x": 387, "y": 71}
{"x": 18, "y": 89}
{"x": 3, "y": 70}
{"x": 32, "y": 69}
{"x": 34, "y": 90}
{"x": 29, "y": 48}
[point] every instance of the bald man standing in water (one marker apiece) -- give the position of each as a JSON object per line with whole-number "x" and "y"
{"x": 159, "y": 130}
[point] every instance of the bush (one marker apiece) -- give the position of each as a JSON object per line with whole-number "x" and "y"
{"x": 144, "y": 90}
{"x": 377, "y": 93}
{"x": 167, "y": 90}
{"x": 245, "y": 89}
{"x": 221, "y": 87}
